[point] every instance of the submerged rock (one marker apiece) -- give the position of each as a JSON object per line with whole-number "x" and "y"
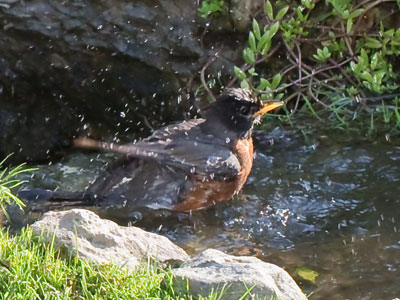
{"x": 82, "y": 232}
{"x": 212, "y": 270}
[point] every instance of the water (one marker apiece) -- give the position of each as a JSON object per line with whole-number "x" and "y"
{"x": 328, "y": 202}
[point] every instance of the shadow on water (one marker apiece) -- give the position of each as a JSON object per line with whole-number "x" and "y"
{"x": 331, "y": 205}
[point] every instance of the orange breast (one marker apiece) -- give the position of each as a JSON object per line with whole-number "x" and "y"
{"x": 244, "y": 151}
{"x": 206, "y": 192}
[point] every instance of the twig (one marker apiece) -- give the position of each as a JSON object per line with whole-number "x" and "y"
{"x": 287, "y": 99}
{"x": 202, "y": 77}
{"x": 346, "y": 39}
{"x": 308, "y": 76}
{"x": 347, "y": 76}
{"x": 333, "y": 26}
{"x": 303, "y": 65}
{"x": 309, "y": 40}
{"x": 300, "y": 75}
{"x": 368, "y": 8}
{"x": 313, "y": 96}
{"x": 146, "y": 122}
{"x": 287, "y": 70}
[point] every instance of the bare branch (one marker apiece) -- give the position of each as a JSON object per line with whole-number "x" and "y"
{"x": 202, "y": 76}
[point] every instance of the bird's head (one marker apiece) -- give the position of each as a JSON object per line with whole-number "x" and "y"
{"x": 237, "y": 110}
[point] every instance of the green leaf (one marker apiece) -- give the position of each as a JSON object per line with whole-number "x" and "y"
{"x": 354, "y": 67}
{"x": 281, "y": 13}
{"x": 276, "y": 80}
{"x": 256, "y": 29}
{"x": 244, "y": 84}
{"x": 209, "y": 7}
{"x": 372, "y": 43}
{"x": 266, "y": 48}
{"x": 349, "y": 25}
{"x": 267, "y": 96}
{"x": 273, "y": 30}
{"x": 252, "y": 41}
{"x": 307, "y": 273}
{"x": 248, "y": 56}
{"x": 239, "y": 73}
{"x": 388, "y": 33}
{"x": 300, "y": 15}
{"x": 322, "y": 54}
{"x": 356, "y": 13}
{"x": 374, "y": 61}
{"x": 269, "y": 10}
{"x": 337, "y": 6}
{"x": 379, "y": 76}
{"x": 352, "y": 90}
{"x": 264, "y": 39}
{"x": 367, "y": 76}
{"x": 367, "y": 85}
{"x": 364, "y": 56}
{"x": 264, "y": 83}
{"x": 308, "y": 4}
{"x": 253, "y": 72}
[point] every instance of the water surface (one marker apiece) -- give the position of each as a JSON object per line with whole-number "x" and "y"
{"x": 328, "y": 201}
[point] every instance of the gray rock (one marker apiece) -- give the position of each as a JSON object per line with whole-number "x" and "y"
{"x": 212, "y": 270}
{"x": 70, "y": 68}
{"x": 82, "y": 232}
{"x": 242, "y": 13}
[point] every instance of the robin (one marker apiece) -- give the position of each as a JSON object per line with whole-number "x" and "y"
{"x": 185, "y": 166}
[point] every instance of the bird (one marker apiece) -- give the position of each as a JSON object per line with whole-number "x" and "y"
{"x": 185, "y": 166}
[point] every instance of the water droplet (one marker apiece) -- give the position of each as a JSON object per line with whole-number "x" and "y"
{"x": 122, "y": 114}
{"x": 227, "y": 140}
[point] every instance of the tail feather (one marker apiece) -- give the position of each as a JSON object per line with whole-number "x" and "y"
{"x": 44, "y": 200}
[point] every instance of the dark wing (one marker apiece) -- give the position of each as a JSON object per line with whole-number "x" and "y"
{"x": 183, "y": 145}
{"x": 186, "y": 146}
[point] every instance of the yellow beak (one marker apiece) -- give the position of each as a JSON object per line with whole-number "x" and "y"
{"x": 268, "y": 107}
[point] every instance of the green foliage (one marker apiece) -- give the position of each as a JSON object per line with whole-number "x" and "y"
{"x": 374, "y": 72}
{"x": 9, "y": 181}
{"x": 209, "y": 7}
{"x": 322, "y": 54}
{"x": 30, "y": 268}
{"x": 330, "y": 61}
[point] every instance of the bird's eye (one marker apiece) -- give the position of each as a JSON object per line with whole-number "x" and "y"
{"x": 245, "y": 110}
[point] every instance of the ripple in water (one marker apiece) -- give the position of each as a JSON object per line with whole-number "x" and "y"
{"x": 332, "y": 206}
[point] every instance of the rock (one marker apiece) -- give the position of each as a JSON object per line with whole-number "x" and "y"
{"x": 242, "y": 13}
{"x": 103, "y": 68}
{"x": 213, "y": 269}
{"x": 71, "y": 68}
{"x": 103, "y": 241}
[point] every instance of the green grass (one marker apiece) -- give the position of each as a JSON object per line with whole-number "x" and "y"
{"x": 32, "y": 269}
{"x": 8, "y": 182}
